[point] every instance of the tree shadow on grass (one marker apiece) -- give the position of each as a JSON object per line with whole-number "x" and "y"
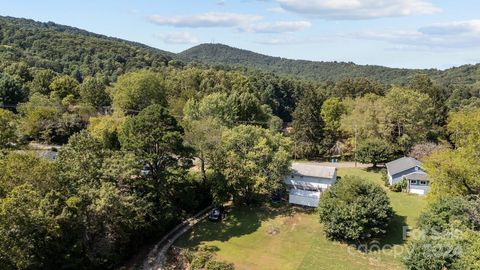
{"x": 395, "y": 232}
{"x": 240, "y": 221}
{"x": 377, "y": 169}
{"x": 393, "y": 237}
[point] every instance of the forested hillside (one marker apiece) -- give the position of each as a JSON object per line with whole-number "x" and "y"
{"x": 218, "y": 54}
{"x": 72, "y": 51}
{"x": 76, "y": 52}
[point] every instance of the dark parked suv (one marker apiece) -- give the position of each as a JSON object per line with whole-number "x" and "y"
{"x": 216, "y": 214}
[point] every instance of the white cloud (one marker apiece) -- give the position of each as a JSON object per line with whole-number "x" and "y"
{"x": 242, "y": 22}
{"x": 277, "y": 10}
{"x": 359, "y": 9}
{"x": 178, "y": 38}
{"x": 292, "y": 40}
{"x": 211, "y": 19}
{"x": 453, "y": 28}
{"x": 278, "y": 27}
{"x": 459, "y": 34}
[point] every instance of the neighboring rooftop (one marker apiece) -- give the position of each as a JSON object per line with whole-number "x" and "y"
{"x": 402, "y": 164}
{"x": 313, "y": 170}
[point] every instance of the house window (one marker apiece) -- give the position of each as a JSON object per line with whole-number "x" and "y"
{"x": 413, "y": 182}
{"x": 424, "y": 183}
{"x": 293, "y": 176}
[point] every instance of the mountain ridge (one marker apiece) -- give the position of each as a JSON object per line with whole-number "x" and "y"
{"x": 71, "y": 50}
{"x": 220, "y": 54}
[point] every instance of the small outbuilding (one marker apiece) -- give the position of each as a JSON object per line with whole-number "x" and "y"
{"x": 412, "y": 171}
{"x": 307, "y": 181}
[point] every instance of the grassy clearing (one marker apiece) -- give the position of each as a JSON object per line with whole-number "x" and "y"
{"x": 244, "y": 239}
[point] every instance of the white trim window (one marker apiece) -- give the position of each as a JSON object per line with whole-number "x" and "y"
{"x": 413, "y": 182}
{"x": 424, "y": 183}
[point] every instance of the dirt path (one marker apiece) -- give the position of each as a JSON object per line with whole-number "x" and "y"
{"x": 157, "y": 256}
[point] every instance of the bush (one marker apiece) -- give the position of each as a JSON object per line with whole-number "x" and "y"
{"x": 400, "y": 186}
{"x": 447, "y": 212}
{"x": 470, "y": 259}
{"x": 217, "y": 265}
{"x": 385, "y": 180}
{"x": 204, "y": 258}
{"x": 450, "y": 238}
{"x": 433, "y": 252}
{"x": 354, "y": 209}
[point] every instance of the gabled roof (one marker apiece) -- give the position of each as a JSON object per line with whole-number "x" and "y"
{"x": 421, "y": 176}
{"x": 313, "y": 170}
{"x": 402, "y": 164}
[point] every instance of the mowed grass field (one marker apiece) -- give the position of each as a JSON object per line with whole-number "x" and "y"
{"x": 244, "y": 238}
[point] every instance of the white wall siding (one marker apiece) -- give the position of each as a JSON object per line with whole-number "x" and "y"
{"x": 307, "y": 182}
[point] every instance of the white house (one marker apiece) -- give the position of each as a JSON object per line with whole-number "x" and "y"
{"x": 410, "y": 169}
{"x": 307, "y": 181}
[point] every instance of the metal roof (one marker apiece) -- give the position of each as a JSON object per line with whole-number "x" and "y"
{"x": 402, "y": 164}
{"x": 313, "y": 170}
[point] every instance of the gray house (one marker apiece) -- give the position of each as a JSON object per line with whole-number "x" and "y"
{"x": 410, "y": 169}
{"x": 307, "y": 181}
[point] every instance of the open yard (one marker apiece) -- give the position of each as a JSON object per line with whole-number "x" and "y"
{"x": 244, "y": 237}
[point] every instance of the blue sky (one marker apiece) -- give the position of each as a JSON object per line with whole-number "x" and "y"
{"x": 395, "y": 33}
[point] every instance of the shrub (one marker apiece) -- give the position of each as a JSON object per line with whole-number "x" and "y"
{"x": 433, "y": 252}
{"x": 204, "y": 258}
{"x": 447, "y": 212}
{"x": 450, "y": 238}
{"x": 385, "y": 180}
{"x": 470, "y": 259}
{"x": 400, "y": 186}
{"x": 217, "y": 265}
{"x": 354, "y": 209}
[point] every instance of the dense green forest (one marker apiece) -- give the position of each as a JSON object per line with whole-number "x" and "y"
{"x": 128, "y": 121}
{"x": 218, "y": 54}
{"x": 76, "y": 52}
{"x": 72, "y": 51}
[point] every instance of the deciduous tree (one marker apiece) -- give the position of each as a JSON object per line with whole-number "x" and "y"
{"x": 93, "y": 92}
{"x": 253, "y": 162}
{"x": 354, "y": 209}
{"x": 374, "y": 151}
{"x": 137, "y": 90}
{"x": 308, "y": 126}
{"x": 63, "y": 86}
{"x": 409, "y": 116}
{"x": 8, "y": 130}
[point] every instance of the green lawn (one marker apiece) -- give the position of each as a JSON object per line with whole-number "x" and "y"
{"x": 244, "y": 239}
